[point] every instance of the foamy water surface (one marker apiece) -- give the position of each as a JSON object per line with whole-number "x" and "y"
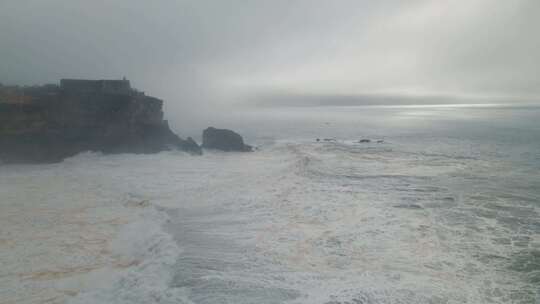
{"x": 445, "y": 210}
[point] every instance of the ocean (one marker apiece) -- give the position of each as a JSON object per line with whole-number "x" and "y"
{"x": 441, "y": 206}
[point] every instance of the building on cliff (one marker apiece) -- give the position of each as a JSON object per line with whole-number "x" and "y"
{"x": 73, "y": 87}
{"x": 120, "y": 87}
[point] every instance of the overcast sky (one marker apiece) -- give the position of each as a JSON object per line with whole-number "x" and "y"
{"x": 198, "y": 53}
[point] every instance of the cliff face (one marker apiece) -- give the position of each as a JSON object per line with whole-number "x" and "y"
{"x": 59, "y": 122}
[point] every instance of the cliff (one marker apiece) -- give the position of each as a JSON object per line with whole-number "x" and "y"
{"x": 50, "y": 123}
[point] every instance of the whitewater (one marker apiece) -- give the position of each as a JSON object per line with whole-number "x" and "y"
{"x": 442, "y": 206}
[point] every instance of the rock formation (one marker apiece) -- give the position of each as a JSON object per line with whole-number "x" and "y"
{"x": 50, "y": 123}
{"x": 225, "y": 140}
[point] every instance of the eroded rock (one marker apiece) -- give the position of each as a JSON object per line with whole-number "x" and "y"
{"x": 224, "y": 140}
{"x": 54, "y": 122}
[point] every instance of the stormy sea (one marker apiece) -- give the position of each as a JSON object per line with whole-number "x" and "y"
{"x": 392, "y": 204}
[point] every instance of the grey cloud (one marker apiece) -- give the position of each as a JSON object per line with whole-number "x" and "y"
{"x": 201, "y": 54}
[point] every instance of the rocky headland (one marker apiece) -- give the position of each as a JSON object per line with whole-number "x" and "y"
{"x": 49, "y": 123}
{"x": 224, "y": 140}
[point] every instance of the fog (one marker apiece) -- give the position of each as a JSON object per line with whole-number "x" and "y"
{"x": 362, "y": 151}
{"x": 201, "y": 57}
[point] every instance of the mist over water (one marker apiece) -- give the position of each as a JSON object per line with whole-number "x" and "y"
{"x": 397, "y": 152}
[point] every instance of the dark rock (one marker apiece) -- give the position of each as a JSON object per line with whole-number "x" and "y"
{"x": 191, "y": 146}
{"x": 225, "y": 140}
{"x": 362, "y": 141}
{"x": 329, "y": 139}
{"x": 55, "y": 122}
{"x": 318, "y": 139}
{"x": 380, "y": 141}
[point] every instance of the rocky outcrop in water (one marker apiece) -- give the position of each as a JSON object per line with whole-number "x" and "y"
{"x": 50, "y": 123}
{"x": 224, "y": 140}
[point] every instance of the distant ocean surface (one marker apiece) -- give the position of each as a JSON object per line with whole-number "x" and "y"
{"x": 441, "y": 206}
